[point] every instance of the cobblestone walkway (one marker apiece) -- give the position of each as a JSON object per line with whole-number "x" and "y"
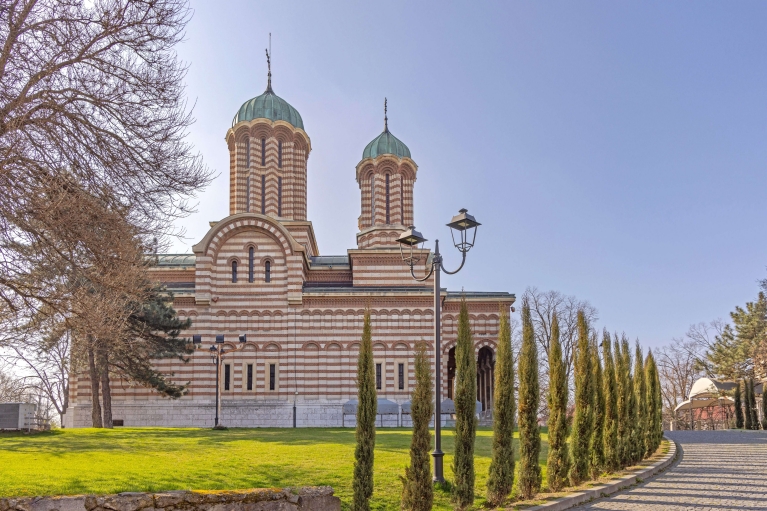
{"x": 719, "y": 470}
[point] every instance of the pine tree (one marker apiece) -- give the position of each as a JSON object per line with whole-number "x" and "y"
{"x": 366, "y": 422}
{"x": 654, "y": 406}
{"x": 501, "y": 477}
{"x": 529, "y": 477}
{"x": 631, "y": 416}
{"x": 754, "y": 411}
{"x": 764, "y": 406}
{"x": 747, "y": 403}
{"x": 640, "y": 397}
{"x": 596, "y": 447}
{"x": 417, "y": 486}
{"x": 622, "y": 403}
{"x": 465, "y": 411}
{"x": 558, "y": 463}
{"x": 583, "y": 420}
{"x": 738, "y": 408}
{"x": 609, "y": 386}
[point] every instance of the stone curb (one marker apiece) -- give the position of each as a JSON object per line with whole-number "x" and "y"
{"x": 604, "y": 490}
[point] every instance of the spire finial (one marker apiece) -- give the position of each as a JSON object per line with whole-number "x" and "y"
{"x": 269, "y": 64}
{"x": 386, "y": 118}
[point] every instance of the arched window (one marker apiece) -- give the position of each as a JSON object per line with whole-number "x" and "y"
{"x": 387, "y": 200}
{"x": 247, "y": 152}
{"x": 251, "y": 257}
{"x": 372, "y": 200}
{"x": 247, "y": 194}
{"x": 279, "y": 196}
{"x": 263, "y": 152}
{"x": 263, "y": 194}
{"x": 267, "y": 272}
{"x": 234, "y": 271}
{"x": 279, "y": 153}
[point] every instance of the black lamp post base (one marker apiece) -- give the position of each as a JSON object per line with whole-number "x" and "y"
{"x": 439, "y": 478}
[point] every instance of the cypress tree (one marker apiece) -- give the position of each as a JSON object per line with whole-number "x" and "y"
{"x": 738, "y": 408}
{"x": 754, "y": 411}
{"x": 501, "y": 477}
{"x": 747, "y": 402}
{"x": 558, "y": 463}
{"x": 583, "y": 420}
{"x": 764, "y": 407}
{"x": 631, "y": 415}
{"x": 465, "y": 411}
{"x": 417, "y": 486}
{"x": 596, "y": 447}
{"x": 640, "y": 393}
{"x": 654, "y": 405}
{"x": 622, "y": 407}
{"x": 659, "y": 407}
{"x": 609, "y": 386}
{"x": 529, "y": 477}
{"x": 366, "y": 422}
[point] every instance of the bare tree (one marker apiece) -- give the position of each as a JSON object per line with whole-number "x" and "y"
{"x": 678, "y": 369}
{"x": 13, "y": 389}
{"x": 42, "y": 353}
{"x": 91, "y": 103}
{"x": 543, "y": 305}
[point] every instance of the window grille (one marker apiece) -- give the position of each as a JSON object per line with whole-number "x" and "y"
{"x": 251, "y": 262}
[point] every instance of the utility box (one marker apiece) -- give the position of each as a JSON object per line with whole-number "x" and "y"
{"x": 17, "y": 415}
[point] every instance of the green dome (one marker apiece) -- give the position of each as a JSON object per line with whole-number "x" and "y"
{"x": 268, "y": 106}
{"x": 386, "y": 143}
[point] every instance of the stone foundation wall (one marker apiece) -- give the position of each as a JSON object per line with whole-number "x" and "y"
{"x": 319, "y": 498}
{"x": 239, "y": 414}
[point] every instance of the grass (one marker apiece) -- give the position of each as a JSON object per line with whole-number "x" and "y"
{"x": 77, "y": 461}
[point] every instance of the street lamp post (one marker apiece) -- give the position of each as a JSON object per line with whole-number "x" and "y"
{"x": 217, "y": 353}
{"x": 466, "y": 226}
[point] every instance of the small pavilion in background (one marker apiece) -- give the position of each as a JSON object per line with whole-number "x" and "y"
{"x": 710, "y": 405}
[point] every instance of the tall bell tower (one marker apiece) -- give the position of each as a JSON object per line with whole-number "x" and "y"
{"x": 386, "y": 175}
{"x": 268, "y": 153}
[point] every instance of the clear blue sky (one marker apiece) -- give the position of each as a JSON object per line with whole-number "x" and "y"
{"x": 612, "y": 150}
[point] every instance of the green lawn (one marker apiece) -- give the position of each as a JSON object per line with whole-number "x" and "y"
{"x": 155, "y": 459}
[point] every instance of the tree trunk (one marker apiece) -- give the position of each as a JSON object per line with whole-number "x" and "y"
{"x": 95, "y": 405}
{"x": 106, "y": 390}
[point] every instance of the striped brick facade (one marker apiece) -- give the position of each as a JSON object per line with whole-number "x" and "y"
{"x": 304, "y": 322}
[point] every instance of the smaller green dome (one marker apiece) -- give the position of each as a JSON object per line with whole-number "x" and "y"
{"x": 386, "y": 143}
{"x": 268, "y": 106}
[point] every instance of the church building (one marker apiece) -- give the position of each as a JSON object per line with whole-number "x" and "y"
{"x": 258, "y": 273}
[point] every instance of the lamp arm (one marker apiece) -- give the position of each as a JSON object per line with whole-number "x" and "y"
{"x": 463, "y": 261}
{"x": 431, "y": 272}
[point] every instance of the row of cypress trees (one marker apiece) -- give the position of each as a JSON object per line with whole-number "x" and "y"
{"x": 617, "y": 419}
{"x": 618, "y": 413}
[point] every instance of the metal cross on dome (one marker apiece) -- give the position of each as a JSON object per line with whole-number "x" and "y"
{"x": 386, "y": 118}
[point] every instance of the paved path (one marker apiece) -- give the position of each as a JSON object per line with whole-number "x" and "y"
{"x": 718, "y": 470}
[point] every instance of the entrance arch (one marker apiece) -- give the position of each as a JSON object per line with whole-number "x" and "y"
{"x": 485, "y": 376}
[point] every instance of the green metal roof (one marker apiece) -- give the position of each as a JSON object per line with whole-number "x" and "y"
{"x": 386, "y": 143}
{"x": 269, "y": 106}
